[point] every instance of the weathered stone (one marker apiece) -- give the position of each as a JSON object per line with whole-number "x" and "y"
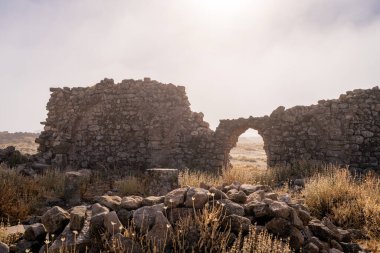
{"x": 160, "y": 181}
{"x": 217, "y": 194}
{"x": 176, "y": 214}
{"x": 80, "y": 240}
{"x": 310, "y": 248}
{"x": 131, "y": 202}
{"x": 160, "y": 231}
{"x": 229, "y": 207}
{"x": 271, "y": 195}
{"x": 112, "y": 223}
{"x": 144, "y": 217}
{"x": 256, "y": 196}
{"x": 257, "y": 209}
{"x": 176, "y": 197}
{"x": 296, "y": 238}
{"x": 35, "y": 232}
{"x": 55, "y": 219}
{"x": 77, "y": 217}
{"x": 280, "y": 209}
{"x": 171, "y": 135}
{"x": 126, "y": 244}
{"x": 112, "y": 202}
{"x": 278, "y": 226}
{"x": 24, "y": 245}
{"x": 321, "y": 231}
{"x": 98, "y": 208}
{"x": 196, "y": 197}
{"x": 72, "y": 187}
{"x": 4, "y": 248}
{"x": 237, "y": 223}
{"x": 153, "y": 200}
{"x": 237, "y": 196}
{"x": 351, "y": 247}
{"x": 125, "y": 217}
{"x": 96, "y": 228}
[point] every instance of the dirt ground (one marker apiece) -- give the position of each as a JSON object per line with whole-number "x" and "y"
{"x": 22, "y": 141}
{"x": 249, "y": 152}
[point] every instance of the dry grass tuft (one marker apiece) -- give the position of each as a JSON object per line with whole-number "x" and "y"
{"x": 350, "y": 202}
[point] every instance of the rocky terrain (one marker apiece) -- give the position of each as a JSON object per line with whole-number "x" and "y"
{"x": 138, "y": 224}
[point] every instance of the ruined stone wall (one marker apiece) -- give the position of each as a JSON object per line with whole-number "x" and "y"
{"x": 144, "y": 124}
{"x": 133, "y": 124}
{"x": 344, "y": 131}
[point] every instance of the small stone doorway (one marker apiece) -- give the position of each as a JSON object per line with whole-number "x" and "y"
{"x": 249, "y": 151}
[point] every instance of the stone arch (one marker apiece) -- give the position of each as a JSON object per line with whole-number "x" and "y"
{"x": 228, "y": 132}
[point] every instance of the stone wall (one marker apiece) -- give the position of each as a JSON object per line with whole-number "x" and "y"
{"x": 141, "y": 124}
{"x": 344, "y": 131}
{"x": 134, "y": 124}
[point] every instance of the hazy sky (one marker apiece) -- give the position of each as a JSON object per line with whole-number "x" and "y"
{"x": 236, "y": 58}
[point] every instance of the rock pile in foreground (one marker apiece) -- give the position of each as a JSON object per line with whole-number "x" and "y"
{"x": 89, "y": 226}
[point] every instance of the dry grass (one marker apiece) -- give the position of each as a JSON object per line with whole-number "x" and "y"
{"x": 204, "y": 232}
{"x": 349, "y": 201}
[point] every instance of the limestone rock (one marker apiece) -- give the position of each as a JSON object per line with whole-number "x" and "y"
{"x": 131, "y": 202}
{"x": 112, "y": 223}
{"x": 144, "y": 217}
{"x": 196, "y": 197}
{"x": 229, "y": 207}
{"x": 55, "y": 219}
{"x": 237, "y": 196}
{"x": 176, "y": 197}
{"x": 98, "y": 208}
{"x": 77, "y": 217}
{"x": 153, "y": 200}
{"x": 112, "y": 202}
{"x": 35, "y": 232}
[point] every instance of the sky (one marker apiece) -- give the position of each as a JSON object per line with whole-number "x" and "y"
{"x": 236, "y": 58}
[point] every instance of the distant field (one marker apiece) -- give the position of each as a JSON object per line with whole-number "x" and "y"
{"x": 22, "y": 141}
{"x": 249, "y": 151}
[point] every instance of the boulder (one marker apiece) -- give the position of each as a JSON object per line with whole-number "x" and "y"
{"x": 237, "y": 196}
{"x": 112, "y": 202}
{"x": 125, "y": 216}
{"x": 237, "y": 223}
{"x": 310, "y": 248}
{"x": 279, "y": 226}
{"x": 160, "y": 232}
{"x": 256, "y": 196}
{"x": 97, "y": 225}
{"x": 176, "y": 197}
{"x": 131, "y": 202}
{"x": 321, "y": 231}
{"x": 126, "y": 244}
{"x": 196, "y": 197}
{"x": 55, "y": 219}
{"x": 280, "y": 209}
{"x": 217, "y": 194}
{"x": 296, "y": 238}
{"x": 72, "y": 187}
{"x": 112, "y": 223}
{"x": 229, "y": 207}
{"x": 35, "y": 232}
{"x": 98, "y": 208}
{"x": 144, "y": 217}
{"x": 77, "y": 217}
{"x": 153, "y": 200}
{"x": 257, "y": 209}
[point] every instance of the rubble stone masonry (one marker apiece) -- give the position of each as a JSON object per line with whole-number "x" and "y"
{"x": 141, "y": 124}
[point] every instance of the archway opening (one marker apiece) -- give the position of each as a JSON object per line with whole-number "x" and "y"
{"x": 249, "y": 151}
